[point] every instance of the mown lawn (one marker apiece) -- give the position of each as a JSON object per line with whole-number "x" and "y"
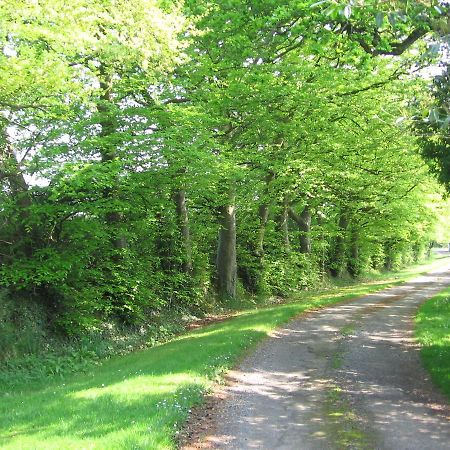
{"x": 140, "y": 400}
{"x": 433, "y": 333}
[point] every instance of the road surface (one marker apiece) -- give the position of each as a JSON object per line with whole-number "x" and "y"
{"x": 346, "y": 377}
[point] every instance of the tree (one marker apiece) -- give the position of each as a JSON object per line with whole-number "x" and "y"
{"x": 172, "y": 152}
{"x": 433, "y": 130}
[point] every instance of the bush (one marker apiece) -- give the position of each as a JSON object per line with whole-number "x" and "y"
{"x": 23, "y": 325}
{"x": 282, "y": 276}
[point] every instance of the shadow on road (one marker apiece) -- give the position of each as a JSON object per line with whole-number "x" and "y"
{"x": 346, "y": 377}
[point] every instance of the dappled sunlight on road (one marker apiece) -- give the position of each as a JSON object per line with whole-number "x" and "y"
{"x": 349, "y": 373}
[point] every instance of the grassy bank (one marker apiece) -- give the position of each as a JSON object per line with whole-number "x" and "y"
{"x": 140, "y": 400}
{"x": 433, "y": 333}
{"x": 40, "y": 355}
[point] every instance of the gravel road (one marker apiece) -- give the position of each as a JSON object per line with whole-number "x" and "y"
{"x": 346, "y": 377}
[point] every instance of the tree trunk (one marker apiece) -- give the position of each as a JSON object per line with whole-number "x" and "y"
{"x": 353, "y": 265}
{"x": 389, "y": 255}
{"x": 109, "y": 153}
{"x": 226, "y": 264}
{"x": 337, "y": 260}
{"x": 11, "y": 171}
{"x": 263, "y": 213}
{"x": 284, "y": 225}
{"x": 263, "y": 218}
{"x": 303, "y": 222}
{"x": 183, "y": 224}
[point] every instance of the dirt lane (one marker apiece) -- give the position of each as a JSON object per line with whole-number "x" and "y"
{"x": 347, "y": 377}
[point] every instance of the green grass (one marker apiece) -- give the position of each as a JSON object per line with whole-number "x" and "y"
{"x": 140, "y": 400}
{"x": 433, "y": 333}
{"x": 343, "y": 423}
{"x": 435, "y": 261}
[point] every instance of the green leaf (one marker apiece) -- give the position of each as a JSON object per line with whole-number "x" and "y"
{"x": 347, "y": 11}
{"x": 379, "y": 19}
{"x": 433, "y": 115}
{"x": 392, "y": 17}
{"x": 433, "y": 49}
{"x": 445, "y": 123}
{"x": 314, "y": 5}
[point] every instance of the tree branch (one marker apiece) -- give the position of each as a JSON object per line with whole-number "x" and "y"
{"x": 395, "y": 75}
{"x": 17, "y": 107}
{"x": 397, "y": 48}
{"x": 176, "y": 100}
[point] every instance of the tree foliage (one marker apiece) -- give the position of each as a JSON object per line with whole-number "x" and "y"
{"x": 155, "y": 154}
{"x": 433, "y": 129}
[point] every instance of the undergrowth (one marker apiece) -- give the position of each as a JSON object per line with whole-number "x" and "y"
{"x": 30, "y": 353}
{"x": 58, "y": 356}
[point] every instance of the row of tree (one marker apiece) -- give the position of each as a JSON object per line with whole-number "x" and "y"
{"x": 154, "y": 152}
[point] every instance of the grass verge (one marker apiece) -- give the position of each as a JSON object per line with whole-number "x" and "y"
{"x": 140, "y": 400}
{"x": 433, "y": 333}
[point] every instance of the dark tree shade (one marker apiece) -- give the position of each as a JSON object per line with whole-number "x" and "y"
{"x": 434, "y": 131}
